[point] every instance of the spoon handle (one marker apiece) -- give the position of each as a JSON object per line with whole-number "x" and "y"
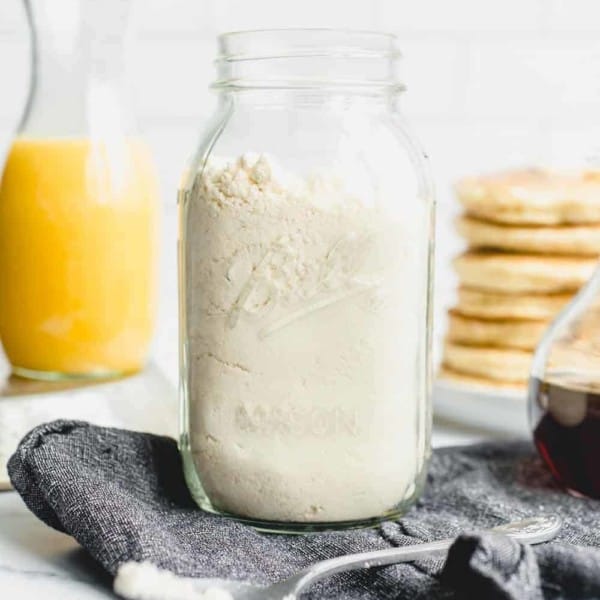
{"x": 535, "y": 530}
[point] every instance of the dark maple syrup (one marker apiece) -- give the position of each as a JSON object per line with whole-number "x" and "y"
{"x": 566, "y": 423}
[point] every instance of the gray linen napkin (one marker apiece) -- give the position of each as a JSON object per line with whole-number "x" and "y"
{"x": 122, "y": 496}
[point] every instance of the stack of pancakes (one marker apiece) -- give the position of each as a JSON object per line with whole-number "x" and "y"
{"x": 533, "y": 239}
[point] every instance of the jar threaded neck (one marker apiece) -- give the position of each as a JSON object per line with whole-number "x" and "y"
{"x": 307, "y": 59}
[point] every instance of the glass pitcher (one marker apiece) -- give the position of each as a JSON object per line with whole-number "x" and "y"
{"x": 78, "y": 205}
{"x": 564, "y": 393}
{"x": 305, "y": 275}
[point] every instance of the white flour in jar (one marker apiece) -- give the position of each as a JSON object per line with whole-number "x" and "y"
{"x": 305, "y": 322}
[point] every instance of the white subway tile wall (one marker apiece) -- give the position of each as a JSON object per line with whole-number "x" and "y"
{"x": 490, "y": 84}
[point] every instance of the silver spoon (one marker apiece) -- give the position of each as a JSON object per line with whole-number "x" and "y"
{"x": 141, "y": 581}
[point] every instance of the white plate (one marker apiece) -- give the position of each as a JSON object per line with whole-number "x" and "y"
{"x": 501, "y": 410}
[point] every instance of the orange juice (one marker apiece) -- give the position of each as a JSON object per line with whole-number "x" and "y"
{"x": 78, "y": 249}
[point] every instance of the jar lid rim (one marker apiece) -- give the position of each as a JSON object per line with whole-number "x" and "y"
{"x": 314, "y": 30}
{"x": 261, "y": 44}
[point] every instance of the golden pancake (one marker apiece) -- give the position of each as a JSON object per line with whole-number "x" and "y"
{"x": 563, "y": 239}
{"x": 490, "y": 305}
{"x": 447, "y": 374}
{"x": 522, "y": 273}
{"x": 533, "y": 196}
{"x": 515, "y": 333}
{"x": 499, "y": 364}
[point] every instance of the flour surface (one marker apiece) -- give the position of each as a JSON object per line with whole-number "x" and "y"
{"x": 305, "y": 323}
{"x": 145, "y": 581}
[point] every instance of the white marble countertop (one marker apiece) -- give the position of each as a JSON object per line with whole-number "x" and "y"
{"x": 37, "y": 561}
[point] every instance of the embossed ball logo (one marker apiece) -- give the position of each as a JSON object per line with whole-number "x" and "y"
{"x": 296, "y": 283}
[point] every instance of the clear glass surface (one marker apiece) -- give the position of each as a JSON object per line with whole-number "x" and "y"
{"x": 78, "y": 205}
{"x": 564, "y": 393}
{"x": 306, "y": 240}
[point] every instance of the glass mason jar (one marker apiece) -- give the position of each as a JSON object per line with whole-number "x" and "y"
{"x": 306, "y": 239}
{"x": 78, "y": 205}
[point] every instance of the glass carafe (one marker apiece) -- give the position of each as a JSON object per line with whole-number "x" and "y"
{"x": 305, "y": 273}
{"x": 564, "y": 393}
{"x": 78, "y": 205}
